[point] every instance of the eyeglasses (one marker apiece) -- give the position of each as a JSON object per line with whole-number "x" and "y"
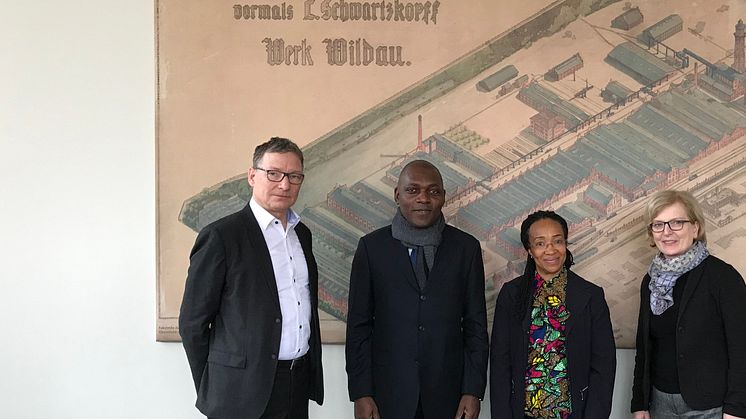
{"x": 278, "y": 176}
{"x": 674, "y": 225}
{"x": 556, "y": 243}
{"x": 432, "y": 192}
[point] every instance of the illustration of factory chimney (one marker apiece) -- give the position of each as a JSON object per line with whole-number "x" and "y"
{"x": 739, "y": 60}
{"x": 421, "y": 146}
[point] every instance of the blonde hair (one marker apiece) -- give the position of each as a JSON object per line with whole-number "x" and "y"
{"x": 664, "y": 199}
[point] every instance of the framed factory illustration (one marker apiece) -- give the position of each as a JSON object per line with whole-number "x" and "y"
{"x": 585, "y": 107}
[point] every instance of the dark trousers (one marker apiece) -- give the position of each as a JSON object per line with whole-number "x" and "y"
{"x": 289, "y": 397}
{"x": 418, "y": 414}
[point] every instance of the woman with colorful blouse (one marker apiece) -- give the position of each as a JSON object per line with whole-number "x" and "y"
{"x": 691, "y": 347}
{"x": 552, "y": 351}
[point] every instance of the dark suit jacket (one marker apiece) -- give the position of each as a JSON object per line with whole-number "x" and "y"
{"x": 591, "y": 356}
{"x": 230, "y": 321}
{"x": 404, "y": 344}
{"x": 710, "y": 340}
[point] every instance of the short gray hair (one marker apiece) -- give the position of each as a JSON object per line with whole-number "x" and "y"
{"x": 276, "y": 145}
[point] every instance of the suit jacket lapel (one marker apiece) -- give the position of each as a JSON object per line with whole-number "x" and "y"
{"x": 256, "y": 238}
{"x": 695, "y": 276}
{"x": 577, "y": 298}
{"x": 401, "y": 261}
{"x": 444, "y": 255}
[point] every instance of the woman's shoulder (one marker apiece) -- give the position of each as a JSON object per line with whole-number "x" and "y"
{"x": 514, "y": 283}
{"x": 583, "y": 283}
{"x": 713, "y": 261}
{"x": 720, "y": 270}
{"x": 512, "y": 288}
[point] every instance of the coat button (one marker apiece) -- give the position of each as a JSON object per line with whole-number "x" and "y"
{"x": 423, "y": 298}
{"x": 277, "y": 320}
{"x": 274, "y": 356}
{"x": 421, "y": 328}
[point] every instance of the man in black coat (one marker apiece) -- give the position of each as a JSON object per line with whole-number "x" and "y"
{"x": 416, "y": 326}
{"x": 249, "y": 321}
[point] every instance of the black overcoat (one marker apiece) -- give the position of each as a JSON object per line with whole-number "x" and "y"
{"x": 591, "y": 356}
{"x": 230, "y": 321}
{"x": 710, "y": 340}
{"x": 404, "y": 343}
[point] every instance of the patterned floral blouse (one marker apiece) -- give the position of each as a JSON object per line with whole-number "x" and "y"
{"x": 547, "y": 383}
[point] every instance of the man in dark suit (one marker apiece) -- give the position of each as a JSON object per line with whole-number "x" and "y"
{"x": 416, "y": 325}
{"x": 249, "y": 319}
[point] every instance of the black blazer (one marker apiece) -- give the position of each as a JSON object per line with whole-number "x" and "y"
{"x": 230, "y": 320}
{"x": 710, "y": 340}
{"x": 404, "y": 344}
{"x": 591, "y": 356}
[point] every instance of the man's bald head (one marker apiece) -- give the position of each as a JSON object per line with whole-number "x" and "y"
{"x": 420, "y": 194}
{"x": 420, "y": 165}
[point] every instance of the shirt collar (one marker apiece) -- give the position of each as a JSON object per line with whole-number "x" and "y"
{"x": 265, "y": 219}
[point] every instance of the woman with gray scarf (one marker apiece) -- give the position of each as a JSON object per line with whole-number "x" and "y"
{"x": 691, "y": 347}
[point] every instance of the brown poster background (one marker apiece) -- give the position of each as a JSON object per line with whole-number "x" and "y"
{"x": 349, "y": 88}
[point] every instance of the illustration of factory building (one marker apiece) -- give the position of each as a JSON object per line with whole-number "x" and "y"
{"x": 615, "y": 92}
{"x": 722, "y": 81}
{"x": 497, "y": 79}
{"x": 662, "y": 30}
{"x": 565, "y": 68}
{"x": 547, "y": 126}
{"x": 628, "y": 19}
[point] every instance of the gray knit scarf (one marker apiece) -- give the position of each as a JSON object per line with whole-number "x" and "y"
{"x": 424, "y": 241}
{"x": 664, "y": 273}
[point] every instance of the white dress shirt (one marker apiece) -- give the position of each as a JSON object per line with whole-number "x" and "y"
{"x": 291, "y": 275}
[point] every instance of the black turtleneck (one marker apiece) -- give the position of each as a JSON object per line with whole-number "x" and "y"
{"x": 664, "y": 372}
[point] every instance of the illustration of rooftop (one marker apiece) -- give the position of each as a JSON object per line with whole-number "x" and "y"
{"x": 577, "y": 214}
{"x": 628, "y": 20}
{"x": 565, "y": 68}
{"x": 497, "y": 79}
{"x": 547, "y": 125}
{"x": 524, "y": 144}
{"x": 648, "y": 150}
{"x": 599, "y": 196}
{"x": 638, "y": 63}
{"x": 446, "y": 148}
{"x": 722, "y": 80}
{"x": 356, "y": 209}
{"x": 542, "y": 99}
{"x": 662, "y": 30}
{"x": 615, "y": 91}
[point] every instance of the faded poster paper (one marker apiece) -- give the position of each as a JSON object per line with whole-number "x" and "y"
{"x": 582, "y": 106}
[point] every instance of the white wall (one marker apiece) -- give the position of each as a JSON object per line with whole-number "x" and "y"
{"x": 77, "y": 256}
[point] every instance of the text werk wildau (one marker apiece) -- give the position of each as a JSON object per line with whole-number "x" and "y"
{"x": 339, "y": 51}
